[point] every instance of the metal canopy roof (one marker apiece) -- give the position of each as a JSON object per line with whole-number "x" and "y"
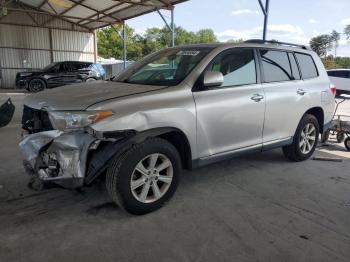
{"x": 93, "y": 14}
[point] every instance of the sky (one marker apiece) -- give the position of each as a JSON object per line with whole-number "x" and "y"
{"x": 293, "y": 21}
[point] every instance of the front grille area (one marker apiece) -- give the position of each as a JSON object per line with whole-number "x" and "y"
{"x": 34, "y": 120}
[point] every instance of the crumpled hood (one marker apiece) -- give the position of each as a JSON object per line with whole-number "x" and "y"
{"x": 81, "y": 96}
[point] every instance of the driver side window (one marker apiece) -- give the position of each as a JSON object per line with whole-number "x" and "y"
{"x": 237, "y": 66}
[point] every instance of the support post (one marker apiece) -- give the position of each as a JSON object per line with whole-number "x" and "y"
{"x": 266, "y": 14}
{"x": 124, "y": 43}
{"x": 51, "y": 45}
{"x": 172, "y": 28}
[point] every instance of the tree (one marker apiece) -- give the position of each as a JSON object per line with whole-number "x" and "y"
{"x": 339, "y": 62}
{"x": 110, "y": 43}
{"x": 321, "y": 44}
{"x": 205, "y": 36}
{"x": 235, "y": 41}
{"x": 347, "y": 32}
{"x": 335, "y": 37}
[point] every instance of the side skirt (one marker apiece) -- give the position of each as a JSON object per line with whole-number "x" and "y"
{"x": 242, "y": 151}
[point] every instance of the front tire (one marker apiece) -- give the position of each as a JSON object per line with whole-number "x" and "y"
{"x": 143, "y": 178}
{"x": 304, "y": 140}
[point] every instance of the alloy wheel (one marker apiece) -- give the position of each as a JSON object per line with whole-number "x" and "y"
{"x": 36, "y": 85}
{"x": 307, "y": 138}
{"x": 151, "y": 178}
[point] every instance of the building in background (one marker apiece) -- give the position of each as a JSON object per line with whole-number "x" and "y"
{"x": 30, "y": 41}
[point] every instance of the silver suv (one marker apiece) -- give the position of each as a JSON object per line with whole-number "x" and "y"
{"x": 176, "y": 109}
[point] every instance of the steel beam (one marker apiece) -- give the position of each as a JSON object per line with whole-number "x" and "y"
{"x": 171, "y": 26}
{"x": 265, "y": 10}
{"x": 124, "y": 43}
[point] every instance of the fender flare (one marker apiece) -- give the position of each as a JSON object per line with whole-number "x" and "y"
{"x": 100, "y": 159}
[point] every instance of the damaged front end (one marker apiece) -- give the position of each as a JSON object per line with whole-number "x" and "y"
{"x": 68, "y": 157}
{"x": 57, "y": 156}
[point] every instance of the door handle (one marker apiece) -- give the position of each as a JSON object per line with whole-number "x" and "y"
{"x": 301, "y": 92}
{"x": 257, "y": 97}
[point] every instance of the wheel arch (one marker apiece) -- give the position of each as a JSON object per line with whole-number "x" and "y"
{"x": 319, "y": 114}
{"x": 98, "y": 159}
{"x": 174, "y": 136}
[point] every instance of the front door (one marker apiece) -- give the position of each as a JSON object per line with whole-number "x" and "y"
{"x": 231, "y": 116}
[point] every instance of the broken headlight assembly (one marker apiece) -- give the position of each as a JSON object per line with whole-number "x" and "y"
{"x": 74, "y": 120}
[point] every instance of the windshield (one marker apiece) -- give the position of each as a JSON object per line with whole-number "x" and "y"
{"x": 48, "y": 67}
{"x": 166, "y": 68}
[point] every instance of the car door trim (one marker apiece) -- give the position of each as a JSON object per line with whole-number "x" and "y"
{"x": 203, "y": 161}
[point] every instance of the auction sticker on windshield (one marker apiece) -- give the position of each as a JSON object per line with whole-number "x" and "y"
{"x": 188, "y": 52}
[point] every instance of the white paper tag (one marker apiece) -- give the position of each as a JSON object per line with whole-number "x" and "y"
{"x": 188, "y": 53}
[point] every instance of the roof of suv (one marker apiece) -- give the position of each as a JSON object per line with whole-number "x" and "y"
{"x": 258, "y": 43}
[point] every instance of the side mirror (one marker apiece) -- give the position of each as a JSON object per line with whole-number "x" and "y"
{"x": 213, "y": 79}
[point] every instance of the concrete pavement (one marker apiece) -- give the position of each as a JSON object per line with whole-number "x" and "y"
{"x": 255, "y": 208}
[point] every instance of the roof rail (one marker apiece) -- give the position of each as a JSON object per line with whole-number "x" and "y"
{"x": 260, "y": 41}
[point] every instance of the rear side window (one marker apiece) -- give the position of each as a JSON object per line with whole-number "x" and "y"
{"x": 294, "y": 66}
{"x": 276, "y": 66}
{"x": 237, "y": 66}
{"x": 307, "y": 66}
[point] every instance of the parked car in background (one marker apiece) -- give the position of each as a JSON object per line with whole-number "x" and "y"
{"x": 59, "y": 74}
{"x": 202, "y": 104}
{"x": 341, "y": 79}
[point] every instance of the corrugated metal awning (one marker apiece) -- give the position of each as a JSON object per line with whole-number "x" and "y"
{"x": 93, "y": 14}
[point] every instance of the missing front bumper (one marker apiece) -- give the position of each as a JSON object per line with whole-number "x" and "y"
{"x": 59, "y": 157}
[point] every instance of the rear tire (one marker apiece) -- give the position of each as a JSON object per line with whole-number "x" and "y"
{"x": 325, "y": 136}
{"x": 304, "y": 140}
{"x": 36, "y": 85}
{"x": 136, "y": 185}
{"x": 347, "y": 143}
{"x": 340, "y": 137}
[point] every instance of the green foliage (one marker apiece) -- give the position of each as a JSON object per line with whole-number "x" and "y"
{"x": 321, "y": 44}
{"x": 110, "y": 44}
{"x": 339, "y": 62}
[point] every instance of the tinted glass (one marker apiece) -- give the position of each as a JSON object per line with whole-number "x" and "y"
{"x": 294, "y": 66}
{"x": 307, "y": 66}
{"x": 63, "y": 67}
{"x": 276, "y": 66}
{"x": 79, "y": 66}
{"x": 51, "y": 67}
{"x": 166, "y": 68}
{"x": 237, "y": 66}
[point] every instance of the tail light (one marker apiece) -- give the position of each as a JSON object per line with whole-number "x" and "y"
{"x": 333, "y": 89}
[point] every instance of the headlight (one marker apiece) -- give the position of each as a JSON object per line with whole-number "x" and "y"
{"x": 26, "y": 74}
{"x": 72, "y": 120}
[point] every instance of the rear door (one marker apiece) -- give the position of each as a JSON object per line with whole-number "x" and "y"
{"x": 231, "y": 116}
{"x": 281, "y": 82}
{"x": 77, "y": 72}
